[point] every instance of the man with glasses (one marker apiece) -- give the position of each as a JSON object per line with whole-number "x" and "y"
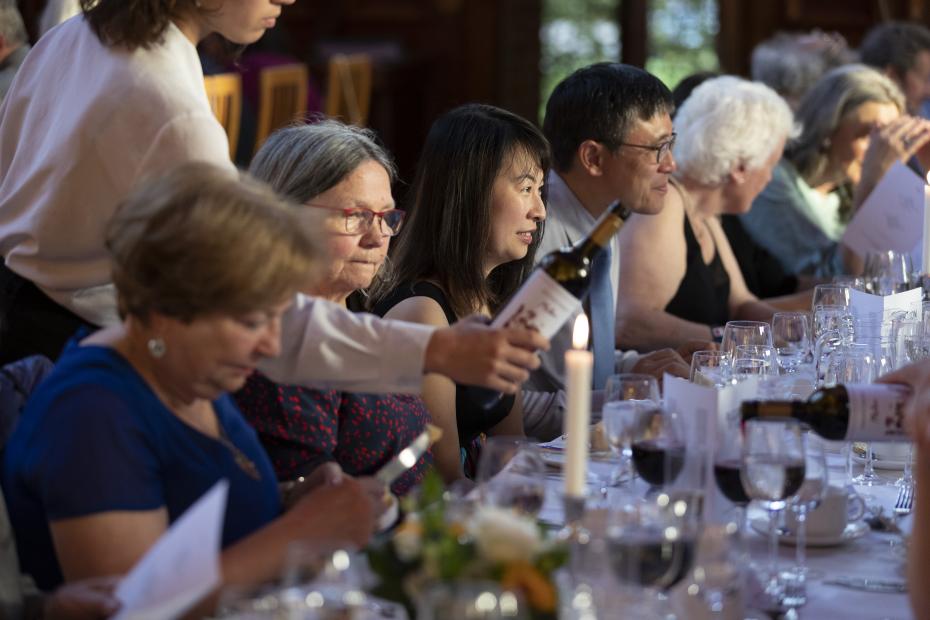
{"x": 610, "y": 129}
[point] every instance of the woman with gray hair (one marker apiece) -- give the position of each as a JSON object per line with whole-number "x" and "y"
{"x": 853, "y": 131}
{"x": 731, "y": 134}
{"x": 341, "y": 172}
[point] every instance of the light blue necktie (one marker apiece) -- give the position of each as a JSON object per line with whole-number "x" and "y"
{"x": 602, "y": 318}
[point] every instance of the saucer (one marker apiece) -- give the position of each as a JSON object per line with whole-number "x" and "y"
{"x": 859, "y": 454}
{"x": 854, "y": 530}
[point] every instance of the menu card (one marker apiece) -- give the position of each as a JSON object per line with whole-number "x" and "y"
{"x": 877, "y": 308}
{"x": 891, "y": 217}
{"x": 182, "y": 567}
{"x": 706, "y": 413}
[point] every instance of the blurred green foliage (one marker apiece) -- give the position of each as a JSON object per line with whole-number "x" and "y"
{"x": 576, "y": 33}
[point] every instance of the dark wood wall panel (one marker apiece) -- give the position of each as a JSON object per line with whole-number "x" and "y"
{"x": 744, "y": 23}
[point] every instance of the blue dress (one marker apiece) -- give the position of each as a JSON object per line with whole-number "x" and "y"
{"x": 95, "y": 438}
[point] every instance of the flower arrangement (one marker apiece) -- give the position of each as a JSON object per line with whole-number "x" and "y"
{"x": 435, "y": 542}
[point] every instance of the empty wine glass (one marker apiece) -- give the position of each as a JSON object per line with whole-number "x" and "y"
{"x": 762, "y": 356}
{"x": 511, "y": 474}
{"x": 717, "y": 572}
{"x": 772, "y": 471}
{"x": 791, "y": 334}
{"x": 620, "y": 420}
{"x": 816, "y": 481}
{"x": 888, "y": 271}
{"x": 710, "y": 368}
{"x": 737, "y": 333}
{"x": 830, "y": 295}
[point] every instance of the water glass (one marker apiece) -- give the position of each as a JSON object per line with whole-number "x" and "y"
{"x": 830, "y": 295}
{"x": 791, "y": 334}
{"x": 737, "y": 333}
{"x": 772, "y": 470}
{"x": 511, "y": 474}
{"x": 640, "y": 394}
{"x": 764, "y": 357}
{"x": 710, "y": 368}
{"x": 816, "y": 482}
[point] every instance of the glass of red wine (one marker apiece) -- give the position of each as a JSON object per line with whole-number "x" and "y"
{"x": 728, "y": 462}
{"x": 652, "y": 543}
{"x": 658, "y": 447}
{"x": 772, "y": 471}
{"x": 511, "y": 474}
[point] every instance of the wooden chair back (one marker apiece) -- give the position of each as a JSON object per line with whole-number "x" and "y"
{"x": 282, "y": 98}
{"x": 224, "y": 91}
{"x": 349, "y": 93}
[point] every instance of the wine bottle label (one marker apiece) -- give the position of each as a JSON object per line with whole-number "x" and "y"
{"x": 876, "y": 413}
{"x": 541, "y": 304}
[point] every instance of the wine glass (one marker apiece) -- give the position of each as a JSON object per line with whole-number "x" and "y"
{"x": 480, "y": 600}
{"x": 772, "y": 471}
{"x": 737, "y": 333}
{"x": 889, "y": 271}
{"x": 791, "y": 334}
{"x": 710, "y": 368}
{"x": 762, "y": 357}
{"x": 718, "y": 567}
{"x": 816, "y": 481}
{"x": 651, "y": 543}
{"x": 830, "y": 295}
{"x": 658, "y": 447}
{"x": 511, "y": 474}
{"x": 620, "y": 419}
{"x": 638, "y": 394}
{"x": 728, "y": 453}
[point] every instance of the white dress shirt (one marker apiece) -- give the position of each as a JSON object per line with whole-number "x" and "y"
{"x": 80, "y": 127}
{"x": 567, "y": 221}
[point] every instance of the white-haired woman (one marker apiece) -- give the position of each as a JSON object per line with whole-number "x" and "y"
{"x": 853, "y": 131}
{"x": 678, "y": 276}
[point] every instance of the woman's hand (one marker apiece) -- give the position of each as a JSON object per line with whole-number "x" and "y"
{"x": 917, "y": 408}
{"x": 899, "y": 140}
{"x": 87, "y": 599}
{"x": 340, "y": 512}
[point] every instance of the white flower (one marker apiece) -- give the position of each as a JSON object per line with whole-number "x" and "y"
{"x": 503, "y": 535}
{"x": 408, "y": 539}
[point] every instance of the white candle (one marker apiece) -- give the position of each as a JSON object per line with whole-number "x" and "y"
{"x": 925, "y": 247}
{"x": 578, "y": 363}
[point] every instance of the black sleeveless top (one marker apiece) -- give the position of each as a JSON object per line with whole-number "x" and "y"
{"x": 471, "y": 417}
{"x": 704, "y": 292}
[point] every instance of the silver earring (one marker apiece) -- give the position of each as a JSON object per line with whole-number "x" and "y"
{"x": 156, "y": 347}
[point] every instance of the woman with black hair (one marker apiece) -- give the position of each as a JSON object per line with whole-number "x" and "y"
{"x": 470, "y": 238}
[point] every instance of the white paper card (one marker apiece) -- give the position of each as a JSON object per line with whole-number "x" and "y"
{"x": 877, "y": 308}
{"x": 705, "y": 413}
{"x": 182, "y": 567}
{"x": 892, "y": 216}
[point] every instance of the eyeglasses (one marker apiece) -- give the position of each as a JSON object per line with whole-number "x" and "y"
{"x": 661, "y": 150}
{"x": 358, "y": 221}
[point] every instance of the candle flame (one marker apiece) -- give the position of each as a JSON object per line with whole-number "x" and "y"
{"x": 928, "y": 177}
{"x": 580, "y": 332}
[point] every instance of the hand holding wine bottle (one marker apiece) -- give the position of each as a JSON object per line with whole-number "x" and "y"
{"x": 916, "y": 409}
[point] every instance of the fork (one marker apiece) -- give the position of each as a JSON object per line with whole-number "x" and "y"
{"x": 905, "y": 501}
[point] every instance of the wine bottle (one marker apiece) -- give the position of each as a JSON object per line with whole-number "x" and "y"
{"x": 873, "y": 412}
{"x": 556, "y": 288}
{"x": 554, "y": 291}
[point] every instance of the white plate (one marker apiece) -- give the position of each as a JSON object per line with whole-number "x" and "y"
{"x": 879, "y": 463}
{"x": 854, "y": 530}
{"x": 554, "y": 459}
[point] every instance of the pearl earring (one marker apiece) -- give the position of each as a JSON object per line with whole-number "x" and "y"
{"x": 156, "y": 347}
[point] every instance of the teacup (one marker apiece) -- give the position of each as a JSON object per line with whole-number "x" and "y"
{"x": 838, "y": 507}
{"x": 890, "y": 451}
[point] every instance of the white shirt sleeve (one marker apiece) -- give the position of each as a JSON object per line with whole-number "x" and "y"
{"x": 324, "y": 345}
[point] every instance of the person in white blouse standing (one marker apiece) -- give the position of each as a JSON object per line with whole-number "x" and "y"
{"x": 116, "y": 96}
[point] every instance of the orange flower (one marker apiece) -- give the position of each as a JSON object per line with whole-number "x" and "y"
{"x": 525, "y": 578}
